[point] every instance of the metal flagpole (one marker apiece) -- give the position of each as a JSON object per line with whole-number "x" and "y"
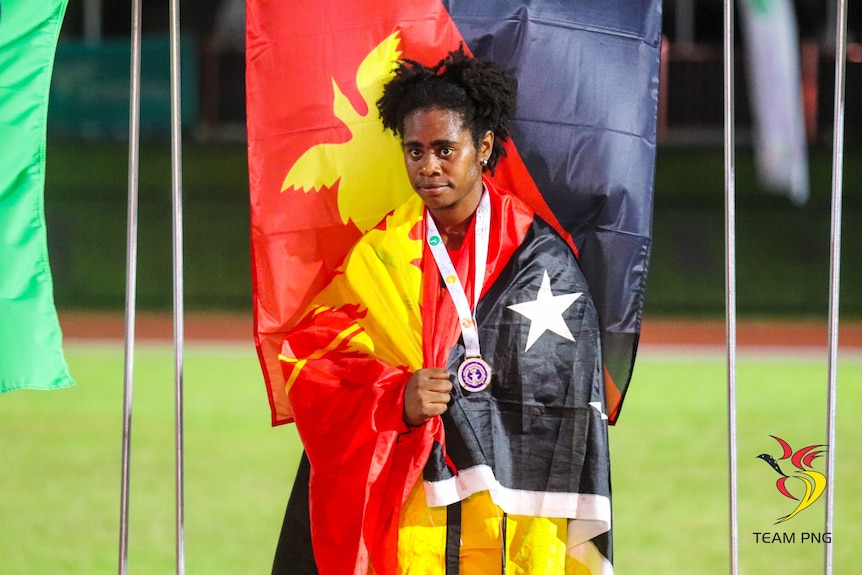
{"x": 835, "y": 265}
{"x": 730, "y": 271}
{"x": 176, "y": 181}
{"x": 131, "y": 280}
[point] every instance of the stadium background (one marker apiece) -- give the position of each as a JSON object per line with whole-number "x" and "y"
{"x": 782, "y": 248}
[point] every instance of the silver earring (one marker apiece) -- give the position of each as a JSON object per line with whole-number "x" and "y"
{"x": 484, "y": 162}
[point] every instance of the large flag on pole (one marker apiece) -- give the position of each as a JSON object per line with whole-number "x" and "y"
{"x": 31, "y": 354}
{"x": 322, "y": 170}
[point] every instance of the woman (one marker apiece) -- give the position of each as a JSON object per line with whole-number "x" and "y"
{"x": 447, "y": 384}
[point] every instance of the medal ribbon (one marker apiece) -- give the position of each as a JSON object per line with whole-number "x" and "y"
{"x": 466, "y": 319}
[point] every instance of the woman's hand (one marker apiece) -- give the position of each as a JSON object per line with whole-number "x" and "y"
{"x": 426, "y": 395}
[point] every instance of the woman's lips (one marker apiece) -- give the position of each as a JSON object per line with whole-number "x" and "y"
{"x": 433, "y": 189}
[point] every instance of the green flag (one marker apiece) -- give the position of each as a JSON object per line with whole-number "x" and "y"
{"x": 31, "y": 353}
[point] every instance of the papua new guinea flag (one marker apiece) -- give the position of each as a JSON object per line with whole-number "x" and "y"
{"x": 533, "y": 443}
{"x": 322, "y": 170}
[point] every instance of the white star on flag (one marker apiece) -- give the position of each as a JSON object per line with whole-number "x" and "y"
{"x": 546, "y": 313}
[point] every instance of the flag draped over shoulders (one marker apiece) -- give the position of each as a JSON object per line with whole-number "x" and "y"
{"x": 322, "y": 171}
{"x": 31, "y": 355}
{"x": 535, "y": 441}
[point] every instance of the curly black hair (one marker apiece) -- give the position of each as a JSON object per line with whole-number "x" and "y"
{"x": 479, "y": 90}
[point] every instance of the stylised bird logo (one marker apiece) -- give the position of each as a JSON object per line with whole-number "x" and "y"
{"x": 814, "y": 481}
{"x": 369, "y": 167}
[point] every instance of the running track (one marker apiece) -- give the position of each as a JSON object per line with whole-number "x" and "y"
{"x": 238, "y": 327}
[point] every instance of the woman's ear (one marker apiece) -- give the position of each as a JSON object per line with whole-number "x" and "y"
{"x": 486, "y": 145}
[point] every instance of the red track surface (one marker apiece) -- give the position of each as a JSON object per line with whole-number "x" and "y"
{"x": 239, "y": 327}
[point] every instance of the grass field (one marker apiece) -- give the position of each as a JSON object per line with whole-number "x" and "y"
{"x": 60, "y": 465}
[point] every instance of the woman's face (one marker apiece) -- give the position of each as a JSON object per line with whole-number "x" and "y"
{"x": 443, "y": 163}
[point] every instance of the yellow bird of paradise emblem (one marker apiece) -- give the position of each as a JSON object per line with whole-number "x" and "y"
{"x": 369, "y": 167}
{"x": 814, "y": 481}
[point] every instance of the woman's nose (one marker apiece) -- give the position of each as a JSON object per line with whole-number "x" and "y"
{"x": 430, "y": 165}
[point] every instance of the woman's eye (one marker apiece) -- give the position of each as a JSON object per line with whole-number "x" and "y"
{"x": 446, "y": 152}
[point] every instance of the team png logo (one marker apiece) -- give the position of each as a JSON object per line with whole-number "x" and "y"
{"x": 798, "y": 480}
